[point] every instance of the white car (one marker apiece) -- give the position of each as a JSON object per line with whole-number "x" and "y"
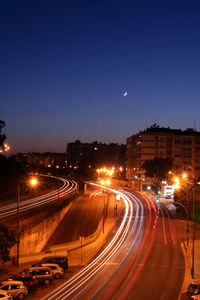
{"x": 16, "y": 288}
{"x": 56, "y": 270}
{"x": 5, "y": 296}
{"x": 195, "y": 297}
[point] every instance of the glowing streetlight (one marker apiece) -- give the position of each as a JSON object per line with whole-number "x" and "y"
{"x": 33, "y": 182}
{"x": 108, "y": 182}
{"x": 5, "y": 148}
{"x": 102, "y": 182}
{"x": 176, "y": 179}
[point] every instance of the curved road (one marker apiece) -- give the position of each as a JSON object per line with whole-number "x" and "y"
{"x": 82, "y": 219}
{"x": 32, "y": 206}
{"x": 143, "y": 260}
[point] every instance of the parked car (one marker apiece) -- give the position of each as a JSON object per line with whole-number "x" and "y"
{"x": 195, "y": 297}
{"x": 5, "y": 296}
{"x": 16, "y": 288}
{"x": 28, "y": 280}
{"x": 56, "y": 270}
{"x": 62, "y": 261}
{"x": 42, "y": 274}
{"x": 193, "y": 288}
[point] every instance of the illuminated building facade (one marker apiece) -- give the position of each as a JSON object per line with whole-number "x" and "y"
{"x": 182, "y": 146}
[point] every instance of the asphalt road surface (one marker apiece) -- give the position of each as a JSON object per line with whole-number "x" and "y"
{"x": 144, "y": 261}
{"x": 82, "y": 218}
{"x": 37, "y": 207}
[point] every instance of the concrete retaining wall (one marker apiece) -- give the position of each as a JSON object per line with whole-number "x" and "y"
{"x": 61, "y": 249}
{"x": 34, "y": 238}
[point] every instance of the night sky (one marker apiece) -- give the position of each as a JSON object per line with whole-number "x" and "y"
{"x": 65, "y": 65}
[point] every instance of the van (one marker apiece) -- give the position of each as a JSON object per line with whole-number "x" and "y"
{"x": 62, "y": 261}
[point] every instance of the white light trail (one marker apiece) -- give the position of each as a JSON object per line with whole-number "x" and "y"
{"x": 86, "y": 275}
{"x": 26, "y": 205}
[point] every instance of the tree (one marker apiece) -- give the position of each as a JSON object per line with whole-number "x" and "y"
{"x": 189, "y": 188}
{"x": 2, "y": 136}
{"x": 10, "y": 170}
{"x": 157, "y": 169}
{"x": 8, "y": 238}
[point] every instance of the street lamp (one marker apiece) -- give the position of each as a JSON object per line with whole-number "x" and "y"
{"x": 106, "y": 183}
{"x": 194, "y": 228}
{"x": 192, "y": 188}
{"x": 32, "y": 182}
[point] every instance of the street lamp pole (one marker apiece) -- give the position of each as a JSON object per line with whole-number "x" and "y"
{"x": 33, "y": 182}
{"x": 104, "y": 208}
{"x": 194, "y": 232}
{"x": 18, "y": 220}
{"x": 58, "y": 187}
{"x": 105, "y": 191}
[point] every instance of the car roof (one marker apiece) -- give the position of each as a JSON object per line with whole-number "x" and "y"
{"x": 47, "y": 257}
{"x": 10, "y": 281}
{"x": 38, "y": 268}
{"x": 49, "y": 264}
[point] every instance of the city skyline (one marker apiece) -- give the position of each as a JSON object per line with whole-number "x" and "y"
{"x": 96, "y": 70}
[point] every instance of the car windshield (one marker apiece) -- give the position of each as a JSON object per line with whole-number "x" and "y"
{"x": 22, "y": 279}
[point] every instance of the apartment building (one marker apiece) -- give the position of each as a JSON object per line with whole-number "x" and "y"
{"x": 96, "y": 154}
{"x": 46, "y": 159}
{"x": 182, "y": 146}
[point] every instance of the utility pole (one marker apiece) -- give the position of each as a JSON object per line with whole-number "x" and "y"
{"x": 104, "y": 207}
{"x": 194, "y": 232}
{"x": 18, "y": 216}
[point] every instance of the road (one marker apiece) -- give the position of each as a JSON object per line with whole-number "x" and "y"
{"x": 143, "y": 259}
{"x": 40, "y": 204}
{"x": 82, "y": 219}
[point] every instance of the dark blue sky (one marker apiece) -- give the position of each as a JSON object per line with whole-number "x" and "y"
{"x": 64, "y": 66}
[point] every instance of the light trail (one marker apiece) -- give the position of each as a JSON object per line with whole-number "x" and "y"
{"x": 170, "y": 226}
{"x": 68, "y": 187}
{"x": 127, "y": 240}
{"x": 133, "y": 279}
{"x": 135, "y": 259}
{"x": 86, "y": 276}
{"x": 163, "y": 222}
{"x": 132, "y": 238}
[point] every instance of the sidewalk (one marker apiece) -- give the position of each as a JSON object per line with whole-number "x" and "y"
{"x": 187, "y": 251}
